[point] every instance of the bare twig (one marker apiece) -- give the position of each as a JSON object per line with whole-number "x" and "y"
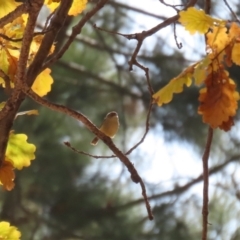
{"x": 7, "y": 81}
{"x": 179, "y": 45}
{"x": 75, "y": 31}
{"x": 178, "y": 190}
{"x": 107, "y": 140}
{"x": 171, "y": 5}
{"x": 205, "y": 160}
{"x": 21, "y": 39}
{"x": 27, "y": 40}
{"x": 23, "y": 8}
{"x": 146, "y": 130}
{"x": 85, "y": 153}
{"x": 207, "y": 6}
{"x": 140, "y": 37}
{"x": 55, "y": 25}
{"x": 134, "y": 9}
{"x": 206, "y": 183}
{"x": 230, "y": 9}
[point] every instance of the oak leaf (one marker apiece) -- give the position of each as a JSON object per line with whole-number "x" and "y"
{"x": 7, "y": 7}
{"x": 234, "y": 31}
{"x": 226, "y": 126}
{"x": 201, "y": 70}
{"x": 236, "y": 53}
{"x": 217, "y": 40}
{"x": 218, "y": 101}
{"x": 19, "y": 151}
{"x": 196, "y": 20}
{"x": 165, "y": 94}
{"x": 7, "y": 175}
{"x": 77, "y": 6}
{"x": 8, "y": 232}
{"x": 43, "y": 82}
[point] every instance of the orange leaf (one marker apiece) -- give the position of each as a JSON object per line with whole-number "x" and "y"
{"x": 218, "y": 101}
{"x": 7, "y": 175}
{"x": 234, "y": 31}
{"x": 226, "y": 126}
{"x": 236, "y": 53}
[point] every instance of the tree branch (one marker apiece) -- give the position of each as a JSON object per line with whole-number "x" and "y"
{"x": 23, "y": 8}
{"x": 7, "y": 115}
{"x": 107, "y": 140}
{"x": 75, "y": 31}
{"x": 206, "y": 183}
{"x": 182, "y": 189}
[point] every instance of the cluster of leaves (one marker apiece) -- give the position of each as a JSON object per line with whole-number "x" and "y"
{"x": 218, "y": 98}
{"x": 19, "y": 152}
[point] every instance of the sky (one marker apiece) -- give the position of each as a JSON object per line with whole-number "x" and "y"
{"x": 164, "y": 164}
{"x": 170, "y": 160}
{"x": 167, "y": 160}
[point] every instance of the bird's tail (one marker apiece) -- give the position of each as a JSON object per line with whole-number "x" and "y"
{"x": 94, "y": 141}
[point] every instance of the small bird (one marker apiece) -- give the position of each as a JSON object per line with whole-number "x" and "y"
{"x": 109, "y": 126}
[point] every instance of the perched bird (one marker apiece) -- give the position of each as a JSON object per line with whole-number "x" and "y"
{"x": 109, "y": 126}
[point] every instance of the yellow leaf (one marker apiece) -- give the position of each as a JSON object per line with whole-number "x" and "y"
{"x": 8, "y": 232}
{"x": 236, "y": 53}
{"x": 43, "y": 82}
{"x": 2, "y": 104}
{"x": 7, "y": 175}
{"x": 77, "y": 7}
{"x": 234, "y": 31}
{"x": 197, "y": 21}
{"x": 201, "y": 70}
{"x": 218, "y": 101}
{"x": 7, "y": 7}
{"x": 29, "y": 112}
{"x": 19, "y": 151}
{"x": 4, "y": 64}
{"x": 176, "y": 85}
{"x": 217, "y": 41}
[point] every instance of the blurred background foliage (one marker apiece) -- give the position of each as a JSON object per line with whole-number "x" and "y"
{"x": 66, "y": 196}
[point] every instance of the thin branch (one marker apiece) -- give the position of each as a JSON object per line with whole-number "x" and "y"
{"x": 182, "y": 189}
{"x": 146, "y": 130}
{"x": 7, "y": 81}
{"x": 170, "y": 5}
{"x": 55, "y": 25}
{"x": 179, "y": 45}
{"x": 7, "y": 114}
{"x": 230, "y": 9}
{"x": 131, "y": 8}
{"x": 140, "y": 37}
{"x": 107, "y": 140}
{"x": 208, "y": 6}
{"x": 27, "y": 40}
{"x": 23, "y": 8}
{"x": 206, "y": 183}
{"x": 205, "y": 160}
{"x": 85, "y": 153}
{"x": 81, "y": 70}
{"x": 75, "y": 31}
{"x": 21, "y": 39}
